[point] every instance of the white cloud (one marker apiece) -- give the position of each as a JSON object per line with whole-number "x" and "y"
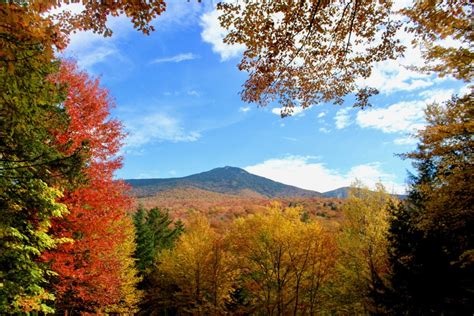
{"x": 391, "y": 76}
{"x": 301, "y": 172}
{"x": 438, "y": 96}
{"x": 296, "y": 111}
{"x": 175, "y": 59}
{"x": 244, "y": 109}
{"x": 401, "y": 117}
{"x": 90, "y": 49}
{"x": 343, "y": 118}
{"x": 388, "y": 77}
{"x": 408, "y": 140}
{"x": 324, "y": 130}
{"x": 158, "y": 127}
{"x": 213, "y": 33}
{"x": 322, "y": 114}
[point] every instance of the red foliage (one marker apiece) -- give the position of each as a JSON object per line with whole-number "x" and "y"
{"x": 88, "y": 269}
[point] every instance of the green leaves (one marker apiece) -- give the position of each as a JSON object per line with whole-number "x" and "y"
{"x": 154, "y": 232}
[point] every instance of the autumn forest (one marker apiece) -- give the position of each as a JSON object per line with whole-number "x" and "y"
{"x": 76, "y": 240}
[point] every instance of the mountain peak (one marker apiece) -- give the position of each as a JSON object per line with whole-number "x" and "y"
{"x": 227, "y": 179}
{"x": 228, "y": 169}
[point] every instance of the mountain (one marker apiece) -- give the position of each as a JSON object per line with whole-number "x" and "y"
{"x": 340, "y": 193}
{"x": 227, "y": 180}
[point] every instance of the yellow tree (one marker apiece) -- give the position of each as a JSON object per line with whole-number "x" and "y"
{"x": 130, "y": 296}
{"x": 284, "y": 262}
{"x": 363, "y": 265}
{"x": 200, "y": 268}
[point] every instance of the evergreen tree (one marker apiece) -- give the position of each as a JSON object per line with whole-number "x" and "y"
{"x": 154, "y": 232}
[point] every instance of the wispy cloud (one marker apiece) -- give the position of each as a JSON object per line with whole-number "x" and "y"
{"x": 90, "y": 49}
{"x": 302, "y": 172}
{"x": 193, "y": 93}
{"x": 407, "y": 140}
{"x": 175, "y": 59}
{"x": 244, "y": 109}
{"x": 343, "y": 118}
{"x": 291, "y": 139}
{"x": 324, "y": 130}
{"x": 158, "y": 127}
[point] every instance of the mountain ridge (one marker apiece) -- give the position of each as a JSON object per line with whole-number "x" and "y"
{"x": 231, "y": 181}
{"x": 227, "y": 180}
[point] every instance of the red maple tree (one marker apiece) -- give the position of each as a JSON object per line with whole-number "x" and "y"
{"x": 89, "y": 273}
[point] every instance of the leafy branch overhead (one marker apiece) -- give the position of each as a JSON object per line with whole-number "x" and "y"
{"x": 302, "y": 53}
{"x": 35, "y": 24}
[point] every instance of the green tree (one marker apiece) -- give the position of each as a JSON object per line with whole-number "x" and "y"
{"x": 33, "y": 171}
{"x": 155, "y": 231}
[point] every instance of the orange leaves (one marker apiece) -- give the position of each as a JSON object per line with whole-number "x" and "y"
{"x": 307, "y": 52}
{"x": 88, "y": 106}
{"x": 90, "y": 273}
{"x": 301, "y": 53}
{"x": 30, "y": 24}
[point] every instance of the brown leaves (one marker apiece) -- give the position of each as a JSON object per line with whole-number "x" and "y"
{"x": 303, "y": 53}
{"x": 307, "y": 52}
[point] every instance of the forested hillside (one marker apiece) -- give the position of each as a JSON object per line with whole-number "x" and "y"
{"x": 184, "y": 202}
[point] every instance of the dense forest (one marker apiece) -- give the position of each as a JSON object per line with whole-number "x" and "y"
{"x": 73, "y": 240}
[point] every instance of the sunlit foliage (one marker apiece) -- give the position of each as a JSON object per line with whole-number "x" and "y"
{"x": 302, "y": 53}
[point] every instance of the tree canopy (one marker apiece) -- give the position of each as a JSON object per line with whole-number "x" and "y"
{"x": 302, "y": 53}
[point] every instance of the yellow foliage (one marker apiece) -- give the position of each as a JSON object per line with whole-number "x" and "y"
{"x": 285, "y": 263}
{"x": 363, "y": 262}
{"x": 130, "y": 295}
{"x": 200, "y": 267}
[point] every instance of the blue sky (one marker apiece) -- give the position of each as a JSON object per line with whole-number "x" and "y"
{"x": 176, "y": 92}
